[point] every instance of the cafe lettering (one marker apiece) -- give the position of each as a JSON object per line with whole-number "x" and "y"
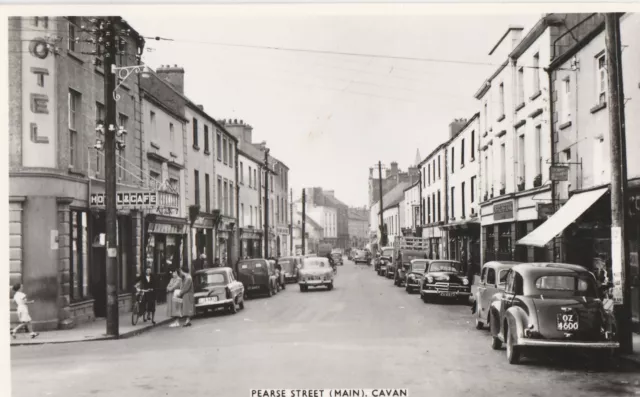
{"x": 127, "y": 199}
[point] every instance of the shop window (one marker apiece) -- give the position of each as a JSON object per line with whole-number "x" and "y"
{"x": 78, "y": 258}
{"x": 504, "y": 242}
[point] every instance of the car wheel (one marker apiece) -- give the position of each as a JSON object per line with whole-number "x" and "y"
{"x": 330, "y": 286}
{"x": 301, "y": 288}
{"x": 407, "y": 289}
{"x": 496, "y": 343}
{"x": 479, "y": 324}
{"x": 513, "y": 351}
{"x": 270, "y": 292}
{"x": 233, "y": 309}
{"x": 242, "y": 304}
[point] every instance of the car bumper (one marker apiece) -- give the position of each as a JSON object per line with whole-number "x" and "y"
{"x": 582, "y": 345}
{"x": 213, "y": 305}
{"x": 315, "y": 283}
{"x": 413, "y": 284}
{"x": 446, "y": 294}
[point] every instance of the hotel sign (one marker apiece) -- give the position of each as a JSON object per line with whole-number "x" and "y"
{"x": 132, "y": 200}
{"x": 559, "y": 173}
{"x": 38, "y": 86}
{"x": 503, "y": 211}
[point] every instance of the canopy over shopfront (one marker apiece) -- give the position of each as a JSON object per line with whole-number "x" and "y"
{"x": 568, "y": 213}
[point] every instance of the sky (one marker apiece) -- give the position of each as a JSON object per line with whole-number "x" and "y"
{"x": 331, "y": 117}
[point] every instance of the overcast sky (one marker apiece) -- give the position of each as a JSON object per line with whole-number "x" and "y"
{"x": 331, "y": 117}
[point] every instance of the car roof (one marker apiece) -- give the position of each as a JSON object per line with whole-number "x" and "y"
{"x": 442, "y": 260}
{"x": 214, "y": 270}
{"x": 544, "y": 268}
{"x": 501, "y": 264}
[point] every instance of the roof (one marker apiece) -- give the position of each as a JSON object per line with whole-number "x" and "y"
{"x": 433, "y": 152}
{"x": 464, "y": 127}
{"x": 310, "y": 221}
{"x": 504, "y": 36}
{"x": 416, "y": 183}
{"x": 539, "y": 269}
{"x": 535, "y": 32}
{"x": 334, "y": 201}
{"x": 394, "y": 196}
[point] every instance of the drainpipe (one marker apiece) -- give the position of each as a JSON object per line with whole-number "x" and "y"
{"x": 553, "y": 150}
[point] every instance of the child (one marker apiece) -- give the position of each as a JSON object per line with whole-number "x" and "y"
{"x": 23, "y": 311}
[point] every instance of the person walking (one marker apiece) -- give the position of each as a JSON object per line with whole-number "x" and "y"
{"x": 186, "y": 294}
{"x": 148, "y": 283}
{"x": 23, "y": 311}
{"x": 174, "y": 307}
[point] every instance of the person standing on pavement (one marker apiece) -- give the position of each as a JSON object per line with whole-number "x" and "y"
{"x": 217, "y": 263}
{"x": 148, "y": 282}
{"x": 186, "y": 294}
{"x": 200, "y": 263}
{"x": 23, "y": 311}
{"x": 174, "y": 307}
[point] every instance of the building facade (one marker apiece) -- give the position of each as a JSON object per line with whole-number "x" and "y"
{"x": 434, "y": 190}
{"x": 358, "y": 223}
{"x": 411, "y": 209}
{"x": 280, "y": 203}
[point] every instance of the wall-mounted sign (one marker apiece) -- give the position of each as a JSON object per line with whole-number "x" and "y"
{"x": 137, "y": 200}
{"x": 503, "y": 211}
{"x": 38, "y": 78}
{"x": 559, "y": 173}
{"x": 545, "y": 210}
{"x": 162, "y": 228}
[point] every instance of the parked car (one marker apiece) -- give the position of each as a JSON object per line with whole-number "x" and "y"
{"x": 444, "y": 279}
{"x": 385, "y": 259}
{"x": 492, "y": 280}
{"x": 258, "y": 277}
{"x": 280, "y": 278}
{"x": 404, "y": 263}
{"x": 315, "y": 272}
{"x": 415, "y": 274}
{"x": 551, "y": 305}
{"x": 360, "y": 257}
{"x": 337, "y": 258}
{"x": 290, "y": 268}
{"x": 217, "y": 288}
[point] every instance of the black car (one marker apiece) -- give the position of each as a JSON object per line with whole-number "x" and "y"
{"x": 445, "y": 279}
{"x": 258, "y": 277}
{"x": 384, "y": 261}
{"x": 406, "y": 257}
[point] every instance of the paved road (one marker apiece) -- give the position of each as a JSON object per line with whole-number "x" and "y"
{"x": 366, "y": 333}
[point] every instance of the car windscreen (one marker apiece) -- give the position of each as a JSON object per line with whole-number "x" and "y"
{"x": 419, "y": 266}
{"x": 407, "y": 258}
{"x": 210, "y": 279}
{"x": 563, "y": 285}
{"x": 315, "y": 263}
{"x": 287, "y": 264}
{"x": 453, "y": 267}
{"x": 252, "y": 267}
{"x": 387, "y": 252}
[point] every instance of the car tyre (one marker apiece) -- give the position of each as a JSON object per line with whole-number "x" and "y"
{"x": 330, "y": 286}
{"x": 301, "y": 288}
{"x": 406, "y": 288}
{"x": 479, "y": 324}
{"x": 513, "y": 351}
{"x": 241, "y": 304}
{"x": 233, "y": 309}
{"x": 496, "y": 343}
{"x": 270, "y": 291}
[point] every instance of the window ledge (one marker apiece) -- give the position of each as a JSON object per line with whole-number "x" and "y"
{"x": 196, "y": 148}
{"x": 536, "y": 95}
{"x": 519, "y": 107}
{"x": 485, "y": 134}
{"x": 565, "y": 125}
{"x": 207, "y": 152}
{"x": 76, "y": 172}
{"x": 461, "y": 166}
{"x": 472, "y": 159}
{"x": 75, "y": 56}
{"x": 501, "y": 118}
{"x": 155, "y": 145}
{"x": 598, "y": 107}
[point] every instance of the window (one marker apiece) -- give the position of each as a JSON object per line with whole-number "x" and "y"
{"x": 207, "y": 193}
{"x": 538, "y": 148}
{"x": 486, "y": 173}
{"x": 231, "y": 200}
{"x": 224, "y": 150}
{"x": 225, "y": 198}
{"x": 219, "y": 145}
{"x": 152, "y": 118}
{"x": 491, "y": 276}
{"x": 439, "y": 171}
{"x": 429, "y": 174}
{"x": 251, "y": 215}
{"x": 242, "y": 173}
{"x": 439, "y": 208}
{"x": 44, "y": 20}
{"x": 255, "y": 179}
{"x": 174, "y": 184}
{"x": 536, "y": 73}
{"x": 453, "y": 202}
{"x": 122, "y": 53}
{"x": 433, "y": 204}
{"x": 241, "y": 217}
{"x": 171, "y": 132}
{"x": 486, "y": 116}
{"x": 453, "y": 156}
{"x": 78, "y": 258}
{"x": 206, "y": 139}
{"x": 196, "y": 184}
{"x": 472, "y": 189}
{"x": 428, "y": 209}
{"x": 99, "y": 113}
{"x": 72, "y": 37}
{"x": 473, "y": 145}
{"x": 195, "y": 132}
{"x": 74, "y": 114}
{"x": 463, "y": 213}
{"x": 220, "y": 202}
{"x": 462, "y": 153}
{"x": 503, "y": 166}
{"x": 123, "y": 121}
{"x": 120, "y": 163}
{"x": 501, "y": 99}
{"x": 271, "y": 182}
{"x": 520, "y": 86}
{"x": 565, "y": 102}
{"x": 601, "y": 79}
{"x": 521, "y": 157}
{"x": 231, "y": 153}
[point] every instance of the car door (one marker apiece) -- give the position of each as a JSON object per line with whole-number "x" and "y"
{"x": 507, "y": 296}
{"x": 481, "y": 295}
{"x": 489, "y": 289}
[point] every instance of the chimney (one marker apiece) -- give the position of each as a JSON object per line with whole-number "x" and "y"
{"x": 200, "y": 107}
{"x": 330, "y": 193}
{"x": 370, "y": 172}
{"x": 394, "y": 169}
{"x": 174, "y": 75}
{"x": 247, "y": 133}
{"x": 456, "y": 126}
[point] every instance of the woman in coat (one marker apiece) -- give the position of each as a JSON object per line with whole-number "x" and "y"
{"x": 174, "y": 307}
{"x": 186, "y": 294}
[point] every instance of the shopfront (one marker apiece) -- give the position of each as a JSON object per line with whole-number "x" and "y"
{"x": 203, "y": 237}
{"x": 250, "y": 243}
{"x": 436, "y": 245}
{"x": 464, "y": 243}
{"x": 633, "y": 231}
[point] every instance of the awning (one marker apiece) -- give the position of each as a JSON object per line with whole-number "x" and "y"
{"x": 568, "y": 213}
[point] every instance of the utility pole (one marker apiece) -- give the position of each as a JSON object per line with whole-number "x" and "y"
{"x": 304, "y": 220}
{"x": 266, "y": 202}
{"x": 619, "y": 245}
{"x": 291, "y": 247}
{"x": 383, "y": 237}
{"x": 110, "y": 176}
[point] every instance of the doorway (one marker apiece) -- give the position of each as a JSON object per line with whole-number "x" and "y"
{"x": 97, "y": 227}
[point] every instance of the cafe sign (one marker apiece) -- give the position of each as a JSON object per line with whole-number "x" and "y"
{"x": 559, "y": 173}
{"x": 502, "y": 211}
{"x": 130, "y": 200}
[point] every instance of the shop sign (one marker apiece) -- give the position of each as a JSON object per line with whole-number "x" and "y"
{"x": 545, "y": 210}
{"x": 161, "y": 228}
{"x": 559, "y": 173}
{"x": 503, "y": 211}
{"x": 204, "y": 223}
{"x": 137, "y": 200}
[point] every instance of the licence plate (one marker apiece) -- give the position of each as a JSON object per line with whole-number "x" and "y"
{"x": 209, "y": 299}
{"x": 448, "y": 294}
{"x": 567, "y": 322}
{"x": 314, "y": 281}
{"x": 254, "y": 287}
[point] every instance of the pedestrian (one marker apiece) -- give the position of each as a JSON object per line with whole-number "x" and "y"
{"x": 174, "y": 306}
{"x": 200, "y": 263}
{"x": 23, "y": 311}
{"x": 148, "y": 283}
{"x": 186, "y": 294}
{"x": 217, "y": 263}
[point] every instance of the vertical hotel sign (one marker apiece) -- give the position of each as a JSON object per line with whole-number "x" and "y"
{"x": 38, "y": 93}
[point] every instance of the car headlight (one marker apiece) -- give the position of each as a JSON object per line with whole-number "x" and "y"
{"x": 429, "y": 279}
{"x": 465, "y": 281}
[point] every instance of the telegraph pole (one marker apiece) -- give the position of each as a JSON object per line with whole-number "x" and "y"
{"x": 266, "y": 202}
{"x": 383, "y": 239}
{"x": 619, "y": 245}
{"x": 304, "y": 219}
{"x": 110, "y": 176}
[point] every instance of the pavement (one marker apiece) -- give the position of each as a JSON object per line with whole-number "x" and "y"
{"x": 365, "y": 333}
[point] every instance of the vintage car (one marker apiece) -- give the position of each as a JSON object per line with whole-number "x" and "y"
{"x": 258, "y": 277}
{"x": 386, "y": 256}
{"x": 551, "y": 305}
{"x": 415, "y": 274}
{"x": 315, "y": 272}
{"x": 444, "y": 279}
{"x": 406, "y": 257}
{"x": 217, "y": 288}
{"x": 360, "y": 257}
{"x": 280, "y": 278}
{"x": 290, "y": 268}
{"x": 492, "y": 280}
{"x": 337, "y": 258}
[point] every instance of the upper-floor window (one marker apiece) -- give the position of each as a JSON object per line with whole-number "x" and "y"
{"x": 241, "y": 172}
{"x": 72, "y": 36}
{"x": 565, "y": 96}
{"x": 219, "y": 145}
{"x": 152, "y": 119}
{"x": 503, "y": 165}
{"x": 601, "y": 78}
{"x": 462, "y": 198}
{"x": 473, "y": 145}
{"x": 538, "y": 149}
{"x": 439, "y": 170}
{"x": 195, "y": 132}
{"x": 521, "y": 158}
{"x": 196, "y": 188}
{"x": 44, "y": 20}
{"x": 462, "y": 153}
{"x": 255, "y": 179}
{"x": 453, "y": 202}
{"x": 472, "y": 189}
{"x": 536, "y": 72}
{"x": 231, "y": 153}
{"x": 453, "y": 161}
{"x": 206, "y": 139}
{"x": 207, "y": 193}
{"x": 75, "y": 100}
{"x": 486, "y": 116}
{"x": 501, "y": 99}
{"x": 520, "y": 85}
{"x": 172, "y": 136}
{"x": 225, "y": 150}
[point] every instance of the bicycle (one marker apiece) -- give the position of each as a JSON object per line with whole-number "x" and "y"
{"x": 140, "y": 307}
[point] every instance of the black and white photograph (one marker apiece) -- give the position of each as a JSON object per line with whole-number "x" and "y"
{"x": 321, "y": 200}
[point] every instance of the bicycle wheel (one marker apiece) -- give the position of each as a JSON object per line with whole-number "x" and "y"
{"x": 134, "y": 313}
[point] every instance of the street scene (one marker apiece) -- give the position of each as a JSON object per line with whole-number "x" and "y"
{"x": 214, "y": 201}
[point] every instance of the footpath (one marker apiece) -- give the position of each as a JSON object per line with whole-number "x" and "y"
{"x": 94, "y": 330}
